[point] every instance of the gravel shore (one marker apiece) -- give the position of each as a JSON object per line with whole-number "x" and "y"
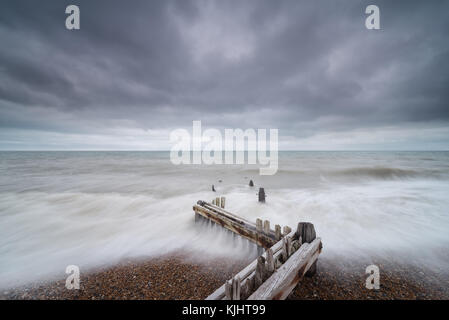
{"x": 177, "y": 277}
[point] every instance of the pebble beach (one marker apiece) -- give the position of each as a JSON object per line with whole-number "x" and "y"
{"x": 176, "y": 277}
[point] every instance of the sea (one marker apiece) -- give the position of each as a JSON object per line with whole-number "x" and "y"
{"x": 94, "y": 209}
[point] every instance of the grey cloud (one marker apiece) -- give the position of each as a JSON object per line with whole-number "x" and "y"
{"x": 304, "y": 67}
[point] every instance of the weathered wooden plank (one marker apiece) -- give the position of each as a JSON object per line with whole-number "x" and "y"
{"x": 248, "y": 270}
{"x": 249, "y": 282}
{"x": 218, "y": 211}
{"x": 255, "y": 274}
{"x": 236, "y": 226}
{"x": 224, "y": 212}
{"x": 232, "y": 216}
{"x": 283, "y": 280}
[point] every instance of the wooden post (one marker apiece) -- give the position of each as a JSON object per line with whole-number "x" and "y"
{"x": 266, "y": 227}
{"x": 259, "y": 225}
{"x": 284, "y": 250}
{"x": 248, "y": 273}
{"x": 236, "y": 288}
{"x": 251, "y": 183}
{"x": 283, "y": 281}
{"x": 217, "y": 201}
{"x": 260, "y": 270}
{"x": 296, "y": 245}
{"x": 306, "y": 231}
{"x": 223, "y": 200}
{"x": 277, "y": 231}
{"x": 228, "y": 290}
{"x": 259, "y": 229}
{"x": 244, "y": 292}
{"x": 287, "y": 230}
{"x": 289, "y": 246}
{"x": 270, "y": 261}
{"x": 261, "y": 195}
{"x": 213, "y": 188}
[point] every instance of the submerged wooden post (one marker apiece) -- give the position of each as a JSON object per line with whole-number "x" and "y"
{"x": 261, "y": 195}
{"x": 213, "y": 188}
{"x": 251, "y": 183}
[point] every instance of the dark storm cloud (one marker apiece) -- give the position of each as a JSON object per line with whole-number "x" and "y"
{"x": 305, "y": 67}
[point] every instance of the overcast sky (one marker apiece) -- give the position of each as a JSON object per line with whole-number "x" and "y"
{"x": 138, "y": 69}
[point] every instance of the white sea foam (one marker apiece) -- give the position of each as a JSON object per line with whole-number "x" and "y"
{"x": 92, "y": 209}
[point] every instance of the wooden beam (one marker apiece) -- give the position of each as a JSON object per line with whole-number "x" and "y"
{"x": 222, "y": 211}
{"x": 248, "y": 270}
{"x": 237, "y": 225}
{"x": 283, "y": 280}
{"x": 242, "y": 229}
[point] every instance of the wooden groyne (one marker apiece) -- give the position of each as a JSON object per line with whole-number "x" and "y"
{"x": 259, "y": 233}
{"x": 288, "y": 255}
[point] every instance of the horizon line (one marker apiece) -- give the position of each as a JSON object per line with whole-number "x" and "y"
{"x": 309, "y": 150}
